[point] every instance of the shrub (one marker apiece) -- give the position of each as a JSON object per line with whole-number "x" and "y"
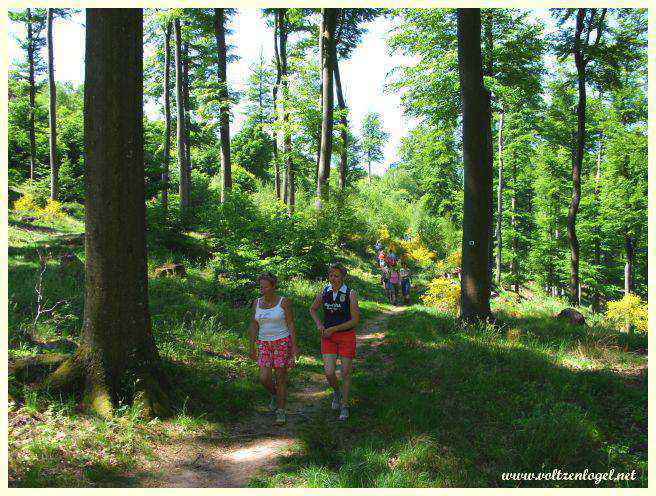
{"x": 629, "y": 310}
{"x": 443, "y": 294}
{"x": 29, "y": 204}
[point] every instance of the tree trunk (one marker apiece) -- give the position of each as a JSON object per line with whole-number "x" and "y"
{"x": 514, "y": 269}
{"x": 343, "y": 157}
{"x": 577, "y": 164}
{"x": 369, "y": 172}
{"x": 182, "y": 161}
{"x": 628, "y": 287}
{"x": 477, "y": 206}
{"x": 54, "y": 166}
{"x": 499, "y": 198}
{"x": 288, "y": 181}
{"x": 187, "y": 113}
{"x": 276, "y": 86}
{"x": 117, "y": 344}
{"x": 224, "y": 126}
{"x": 597, "y": 237}
{"x": 30, "y": 59}
{"x": 167, "y": 120}
{"x": 328, "y": 25}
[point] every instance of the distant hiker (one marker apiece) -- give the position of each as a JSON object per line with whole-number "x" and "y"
{"x": 391, "y": 259}
{"x": 405, "y": 281}
{"x": 381, "y": 258}
{"x": 395, "y": 281}
{"x": 385, "y": 279}
{"x": 273, "y": 324}
{"x": 340, "y": 316}
{"x": 378, "y": 246}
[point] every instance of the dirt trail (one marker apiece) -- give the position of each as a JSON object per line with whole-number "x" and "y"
{"x": 255, "y": 445}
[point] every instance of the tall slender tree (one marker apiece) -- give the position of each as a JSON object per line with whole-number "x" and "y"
{"x": 328, "y": 53}
{"x": 373, "y": 140}
{"x": 477, "y": 169}
{"x": 179, "y": 92}
{"x": 54, "y": 165}
{"x": 117, "y": 346}
{"x": 224, "y": 127}
{"x": 167, "y": 117}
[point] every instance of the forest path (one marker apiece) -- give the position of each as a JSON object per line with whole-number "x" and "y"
{"x": 255, "y": 445}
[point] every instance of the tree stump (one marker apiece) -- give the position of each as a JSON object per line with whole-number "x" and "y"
{"x": 573, "y": 316}
{"x": 173, "y": 269}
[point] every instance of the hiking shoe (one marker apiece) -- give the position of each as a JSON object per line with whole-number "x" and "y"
{"x": 280, "y": 417}
{"x": 344, "y": 413}
{"x": 273, "y": 404}
{"x": 337, "y": 401}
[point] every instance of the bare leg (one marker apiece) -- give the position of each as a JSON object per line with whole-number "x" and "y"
{"x": 281, "y": 387}
{"x": 329, "y": 363}
{"x": 265, "y": 380}
{"x": 345, "y": 369}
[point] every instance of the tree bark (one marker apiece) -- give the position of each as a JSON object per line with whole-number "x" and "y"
{"x": 288, "y": 182}
{"x": 597, "y": 237}
{"x": 167, "y": 119}
{"x": 187, "y": 112}
{"x": 224, "y": 117}
{"x": 499, "y": 198}
{"x": 117, "y": 344}
{"x": 628, "y": 287}
{"x": 32, "y": 84}
{"x": 180, "y": 124}
{"x": 343, "y": 157}
{"x": 276, "y": 86}
{"x": 477, "y": 205}
{"x": 328, "y": 53}
{"x": 514, "y": 269}
{"x": 54, "y": 165}
{"x": 577, "y": 163}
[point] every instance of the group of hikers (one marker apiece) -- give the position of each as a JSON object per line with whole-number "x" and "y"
{"x": 394, "y": 275}
{"x": 273, "y": 331}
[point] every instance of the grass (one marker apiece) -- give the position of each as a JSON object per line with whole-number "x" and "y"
{"x": 440, "y": 405}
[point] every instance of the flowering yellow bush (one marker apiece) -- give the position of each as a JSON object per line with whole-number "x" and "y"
{"x": 629, "y": 310}
{"x": 443, "y": 294}
{"x": 415, "y": 250}
{"x": 450, "y": 263}
{"x": 384, "y": 235}
{"x": 26, "y": 203}
{"x": 52, "y": 210}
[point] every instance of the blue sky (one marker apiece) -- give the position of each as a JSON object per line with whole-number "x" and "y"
{"x": 363, "y": 75}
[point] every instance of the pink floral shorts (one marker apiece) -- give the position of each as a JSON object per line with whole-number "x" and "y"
{"x": 276, "y": 354}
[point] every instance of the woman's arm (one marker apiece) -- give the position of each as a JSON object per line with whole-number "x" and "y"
{"x": 349, "y": 324}
{"x": 313, "y": 312}
{"x": 253, "y": 328}
{"x": 289, "y": 318}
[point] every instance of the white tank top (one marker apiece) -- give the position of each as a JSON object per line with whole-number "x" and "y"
{"x": 271, "y": 321}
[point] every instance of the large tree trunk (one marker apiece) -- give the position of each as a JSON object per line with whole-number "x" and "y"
{"x": 224, "y": 117}
{"x": 499, "y": 198}
{"x": 476, "y": 228}
{"x": 628, "y": 287}
{"x": 54, "y": 166}
{"x": 187, "y": 113}
{"x": 343, "y": 157}
{"x": 180, "y": 124}
{"x": 32, "y": 84}
{"x": 167, "y": 120}
{"x": 117, "y": 345}
{"x": 577, "y": 164}
{"x": 597, "y": 236}
{"x": 328, "y": 24}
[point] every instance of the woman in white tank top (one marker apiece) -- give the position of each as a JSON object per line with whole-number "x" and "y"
{"x": 273, "y": 324}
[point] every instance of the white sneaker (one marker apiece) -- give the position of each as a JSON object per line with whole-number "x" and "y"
{"x": 337, "y": 401}
{"x": 344, "y": 413}
{"x": 280, "y": 417}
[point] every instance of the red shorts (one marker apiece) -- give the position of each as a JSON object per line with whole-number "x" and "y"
{"x": 339, "y": 343}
